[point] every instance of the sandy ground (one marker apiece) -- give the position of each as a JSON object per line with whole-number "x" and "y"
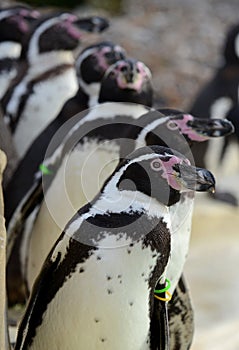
{"x": 212, "y": 273}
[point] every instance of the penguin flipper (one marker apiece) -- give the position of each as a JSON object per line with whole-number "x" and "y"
{"x": 181, "y": 320}
{"x": 16, "y": 226}
{"x": 35, "y": 308}
{"x": 159, "y": 326}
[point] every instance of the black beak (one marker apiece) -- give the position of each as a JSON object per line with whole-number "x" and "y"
{"x": 196, "y": 179}
{"x": 212, "y": 127}
{"x": 92, "y": 24}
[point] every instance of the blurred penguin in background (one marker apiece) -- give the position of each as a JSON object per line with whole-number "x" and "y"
{"x": 220, "y": 97}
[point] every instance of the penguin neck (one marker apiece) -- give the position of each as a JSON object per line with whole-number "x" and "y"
{"x": 115, "y": 201}
{"x": 91, "y": 90}
{"x": 141, "y": 139}
{"x": 9, "y": 49}
{"x": 49, "y": 60}
{"x": 107, "y": 111}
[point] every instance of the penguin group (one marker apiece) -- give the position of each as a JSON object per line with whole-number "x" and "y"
{"x": 100, "y": 204}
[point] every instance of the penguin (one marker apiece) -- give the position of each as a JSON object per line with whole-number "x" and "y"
{"x": 187, "y": 126}
{"x": 97, "y": 148}
{"x": 15, "y": 22}
{"x": 139, "y": 84}
{"x": 109, "y": 258}
{"x": 6, "y": 144}
{"x": 220, "y": 97}
{"x": 94, "y": 60}
{"x": 47, "y": 78}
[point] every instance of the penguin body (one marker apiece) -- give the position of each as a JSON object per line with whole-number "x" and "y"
{"x": 14, "y": 24}
{"x": 111, "y": 255}
{"x": 48, "y": 78}
{"x": 220, "y": 97}
{"x": 181, "y": 319}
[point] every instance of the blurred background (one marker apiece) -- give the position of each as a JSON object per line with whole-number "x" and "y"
{"x": 181, "y": 41}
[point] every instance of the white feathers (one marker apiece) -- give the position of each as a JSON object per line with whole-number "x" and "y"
{"x": 42, "y": 106}
{"x": 9, "y": 49}
{"x": 106, "y": 298}
{"x": 219, "y": 108}
{"x": 33, "y": 52}
{"x": 237, "y": 45}
{"x": 106, "y": 111}
{"x": 180, "y": 216}
{"x": 140, "y": 141}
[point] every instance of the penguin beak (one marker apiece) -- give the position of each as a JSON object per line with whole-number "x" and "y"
{"x": 94, "y": 24}
{"x": 196, "y": 179}
{"x": 211, "y": 127}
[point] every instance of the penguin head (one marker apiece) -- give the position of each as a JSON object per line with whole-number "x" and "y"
{"x": 93, "y": 61}
{"x": 196, "y": 129}
{"x": 172, "y": 128}
{"x": 160, "y": 173}
{"x": 127, "y": 80}
{"x": 231, "y": 46}
{"x": 15, "y": 22}
{"x": 60, "y": 31}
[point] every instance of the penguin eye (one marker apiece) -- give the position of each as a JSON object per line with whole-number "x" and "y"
{"x": 172, "y": 125}
{"x": 112, "y": 73}
{"x": 123, "y": 69}
{"x": 156, "y": 165}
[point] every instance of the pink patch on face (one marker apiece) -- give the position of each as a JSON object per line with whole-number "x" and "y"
{"x": 142, "y": 69}
{"x": 168, "y": 172}
{"x": 71, "y": 18}
{"x": 71, "y": 30}
{"x": 186, "y": 130}
{"x": 21, "y": 23}
{"x": 102, "y": 61}
{"x": 29, "y": 13}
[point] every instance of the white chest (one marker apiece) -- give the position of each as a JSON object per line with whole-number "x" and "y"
{"x": 181, "y": 220}
{"x": 5, "y": 78}
{"x": 79, "y": 178}
{"x": 42, "y": 106}
{"x": 105, "y": 306}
